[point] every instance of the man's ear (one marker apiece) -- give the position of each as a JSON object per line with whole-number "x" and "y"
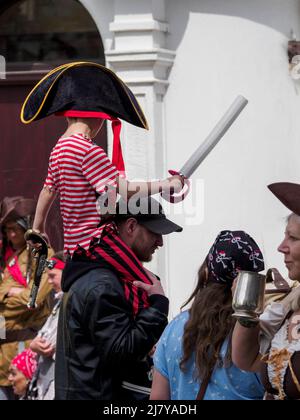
{"x": 131, "y": 226}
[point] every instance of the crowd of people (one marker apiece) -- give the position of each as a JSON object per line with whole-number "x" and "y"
{"x": 100, "y": 327}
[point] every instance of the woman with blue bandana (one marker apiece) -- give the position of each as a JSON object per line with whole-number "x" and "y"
{"x": 193, "y": 356}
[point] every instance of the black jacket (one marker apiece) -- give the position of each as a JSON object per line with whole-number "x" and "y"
{"x": 100, "y": 344}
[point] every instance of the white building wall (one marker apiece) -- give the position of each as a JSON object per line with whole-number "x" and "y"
{"x": 220, "y": 49}
{"x": 225, "y": 49}
{"x": 102, "y": 11}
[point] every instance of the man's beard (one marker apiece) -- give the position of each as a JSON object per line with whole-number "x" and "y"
{"x": 142, "y": 256}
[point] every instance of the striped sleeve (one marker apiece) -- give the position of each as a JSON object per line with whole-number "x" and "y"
{"x": 49, "y": 182}
{"x": 98, "y": 169}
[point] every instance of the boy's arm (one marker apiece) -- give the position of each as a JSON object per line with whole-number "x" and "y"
{"x": 99, "y": 172}
{"x": 45, "y": 201}
{"x": 128, "y": 188}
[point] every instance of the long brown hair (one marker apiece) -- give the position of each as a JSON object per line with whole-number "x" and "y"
{"x": 209, "y": 324}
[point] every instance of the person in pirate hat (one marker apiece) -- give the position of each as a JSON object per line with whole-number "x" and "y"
{"x": 17, "y": 270}
{"x": 79, "y": 170}
{"x": 16, "y": 216}
{"x": 279, "y": 365}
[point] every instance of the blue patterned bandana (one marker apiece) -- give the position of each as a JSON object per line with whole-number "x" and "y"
{"x": 233, "y": 251}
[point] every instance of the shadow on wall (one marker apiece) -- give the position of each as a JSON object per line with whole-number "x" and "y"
{"x": 282, "y": 16}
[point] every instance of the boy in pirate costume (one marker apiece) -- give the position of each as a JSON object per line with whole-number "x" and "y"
{"x": 79, "y": 170}
{"x": 17, "y": 269}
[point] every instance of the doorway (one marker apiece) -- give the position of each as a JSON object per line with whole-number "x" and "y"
{"x": 36, "y": 36}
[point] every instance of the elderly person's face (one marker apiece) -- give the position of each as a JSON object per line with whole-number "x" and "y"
{"x": 18, "y": 381}
{"x": 290, "y": 247}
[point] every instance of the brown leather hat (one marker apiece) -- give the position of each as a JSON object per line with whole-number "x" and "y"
{"x": 288, "y": 193}
{"x": 15, "y": 208}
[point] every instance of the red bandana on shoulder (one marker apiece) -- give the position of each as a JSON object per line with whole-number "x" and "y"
{"x": 12, "y": 265}
{"x": 112, "y": 251}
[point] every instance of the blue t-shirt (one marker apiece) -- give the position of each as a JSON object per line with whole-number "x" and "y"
{"x": 228, "y": 383}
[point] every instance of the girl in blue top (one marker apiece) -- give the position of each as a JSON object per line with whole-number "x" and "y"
{"x": 197, "y": 343}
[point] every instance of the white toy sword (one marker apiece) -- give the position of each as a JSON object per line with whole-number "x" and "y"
{"x": 207, "y": 146}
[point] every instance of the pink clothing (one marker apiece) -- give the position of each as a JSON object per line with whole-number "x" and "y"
{"x": 26, "y": 363}
{"x": 12, "y": 265}
{"x": 79, "y": 170}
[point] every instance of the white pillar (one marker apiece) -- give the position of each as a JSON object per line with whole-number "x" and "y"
{"x": 138, "y": 56}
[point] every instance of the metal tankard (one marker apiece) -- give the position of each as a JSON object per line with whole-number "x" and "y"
{"x": 248, "y": 299}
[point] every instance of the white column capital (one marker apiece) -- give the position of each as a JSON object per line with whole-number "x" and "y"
{"x": 142, "y": 25}
{"x": 138, "y": 51}
{"x": 143, "y": 67}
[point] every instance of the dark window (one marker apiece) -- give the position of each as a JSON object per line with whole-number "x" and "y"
{"x": 41, "y": 33}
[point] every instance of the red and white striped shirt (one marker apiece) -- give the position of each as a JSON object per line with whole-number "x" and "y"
{"x": 78, "y": 170}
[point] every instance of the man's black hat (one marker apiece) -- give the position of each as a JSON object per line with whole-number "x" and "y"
{"x": 149, "y": 213}
{"x": 85, "y": 90}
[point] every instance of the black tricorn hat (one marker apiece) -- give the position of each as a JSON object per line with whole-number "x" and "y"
{"x": 288, "y": 193}
{"x": 86, "y": 90}
{"x": 82, "y": 86}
